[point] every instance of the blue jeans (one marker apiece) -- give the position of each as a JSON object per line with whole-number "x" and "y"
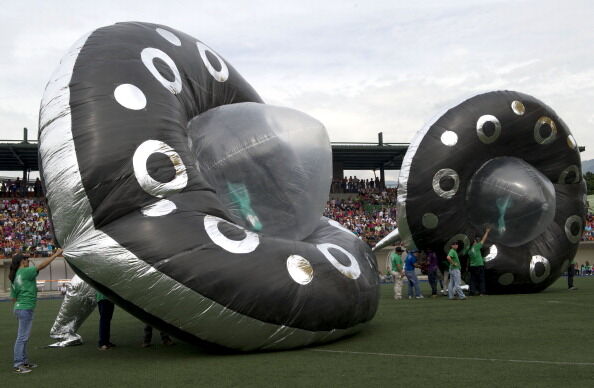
{"x": 455, "y": 281}
{"x": 413, "y": 282}
{"x": 25, "y": 318}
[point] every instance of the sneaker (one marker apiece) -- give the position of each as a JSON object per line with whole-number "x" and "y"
{"x": 573, "y": 288}
{"x": 21, "y": 370}
{"x": 434, "y": 296}
{"x": 419, "y": 297}
{"x": 30, "y": 366}
{"x": 104, "y": 347}
{"x": 410, "y": 297}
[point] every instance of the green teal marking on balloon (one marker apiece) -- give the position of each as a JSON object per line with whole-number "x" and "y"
{"x": 502, "y": 205}
{"x": 240, "y": 195}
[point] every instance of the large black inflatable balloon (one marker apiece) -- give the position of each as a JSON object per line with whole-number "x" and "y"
{"x": 191, "y": 204}
{"x": 504, "y": 160}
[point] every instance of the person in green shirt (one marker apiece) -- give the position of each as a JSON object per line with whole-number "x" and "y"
{"x": 396, "y": 268}
{"x": 477, "y": 265}
{"x": 454, "y": 289}
{"x": 23, "y": 292}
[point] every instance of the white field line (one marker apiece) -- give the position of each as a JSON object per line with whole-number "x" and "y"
{"x": 455, "y": 358}
{"x": 569, "y": 303}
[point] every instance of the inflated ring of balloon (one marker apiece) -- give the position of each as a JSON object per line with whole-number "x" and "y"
{"x": 502, "y": 160}
{"x": 139, "y": 217}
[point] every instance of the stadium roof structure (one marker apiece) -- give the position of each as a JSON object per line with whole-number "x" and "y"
{"x": 22, "y": 155}
{"x": 368, "y": 156}
{"x": 18, "y": 156}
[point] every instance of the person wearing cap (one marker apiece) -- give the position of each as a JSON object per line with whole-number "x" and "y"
{"x": 410, "y": 263}
{"x": 396, "y": 268}
{"x": 477, "y": 265}
{"x": 454, "y": 289}
{"x": 23, "y": 292}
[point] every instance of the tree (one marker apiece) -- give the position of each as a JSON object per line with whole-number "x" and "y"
{"x": 589, "y": 177}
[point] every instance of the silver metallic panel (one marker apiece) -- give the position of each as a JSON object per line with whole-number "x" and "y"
{"x": 547, "y": 268}
{"x": 449, "y": 138}
{"x": 221, "y": 75}
{"x": 148, "y": 55}
{"x": 445, "y": 172}
{"x": 430, "y": 220}
{"x": 518, "y": 107}
{"x": 130, "y": 97}
{"x": 79, "y": 302}
{"x": 483, "y": 137}
{"x": 300, "y": 269}
{"x": 352, "y": 272}
{"x": 571, "y": 169}
{"x": 150, "y": 185}
{"x": 575, "y": 219}
{"x": 246, "y": 245}
{"x": 62, "y": 177}
{"x": 551, "y": 137}
{"x": 392, "y": 238}
{"x": 169, "y": 36}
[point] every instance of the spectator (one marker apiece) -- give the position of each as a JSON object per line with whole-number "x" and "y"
{"x": 37, "y": 191}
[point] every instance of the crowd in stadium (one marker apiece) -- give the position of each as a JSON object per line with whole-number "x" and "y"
{"x": 24, "y": 220}
{"x": 588, "y": 230}
{"x": 370, "y": 213}
{"x": 353, "y": 184}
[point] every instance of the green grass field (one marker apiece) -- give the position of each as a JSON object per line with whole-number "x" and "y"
{"x": 539, "y": 340}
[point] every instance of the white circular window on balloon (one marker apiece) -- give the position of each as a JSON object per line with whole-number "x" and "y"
{"x": 148, "y": 56}
{"x": 150, "y": 185}
{"x": 219, "y": 75}
{"x": 352, "y": 271}
{"x": 245, "y": 245}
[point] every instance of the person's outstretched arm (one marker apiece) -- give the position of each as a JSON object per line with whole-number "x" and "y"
{"x": 485, "y": 235}
{"x": 47, "y": 261}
